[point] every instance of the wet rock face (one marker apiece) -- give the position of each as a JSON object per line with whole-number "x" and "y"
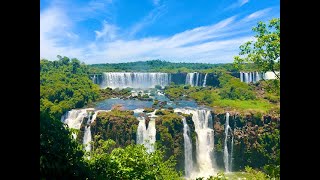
{"x": 253, "y": 138}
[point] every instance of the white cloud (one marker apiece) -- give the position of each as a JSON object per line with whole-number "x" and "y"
{"x": 54, "y": 29}
{"x": 108, "y": 32}
{"x": 216, "y": 43}
{"x": 148, "y": 20}
{"x": 243, "y": 2}
{"x": 201, "y": 44}
{"x": 237, "y": 4}
{"x": 258, "y": 14}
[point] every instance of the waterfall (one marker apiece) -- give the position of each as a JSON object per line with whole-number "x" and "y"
{"x": 151, "y": 135}
{"x": 246, "y": 78}
{"x": 87, "y": 135}
{"x": 189, "y": 79}
{"x": 254, "y": 77}
{"x": 141, "y": 131}
{"x": 193, "y": 79}
{"x": 205, "y": 140}
{"x": 135, "y": 79}
{"x": 205, "y": 80}
{"x": 145, "y": 136}
{"x": 204, "y": 143}
{"x": 270, "y": 75}
{"x": 231, "y": 155}
{"x": 188, "y": 162}
{"x": 197, "y": 79}
{"x": 94, "y": 79}
{"x": 226, "y": 157}
{"x": 74, "y": 118}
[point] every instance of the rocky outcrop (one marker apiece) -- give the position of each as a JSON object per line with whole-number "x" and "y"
{"x": 120, "y": 126}
{"x": 256, "y": 139}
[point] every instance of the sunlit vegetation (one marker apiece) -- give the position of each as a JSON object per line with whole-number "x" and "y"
{"x": 131, "y": 162}
{"x": 254, "y": 109}
{"x": 113, "y": 93}
{"x": 160, "y": 66}
{"x": 231, "y": 94}
{"x": 64, "y": 85}
{"x": 264, "y": 52}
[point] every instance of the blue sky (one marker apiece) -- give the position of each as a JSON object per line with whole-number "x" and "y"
{"x": 112, "y": 31}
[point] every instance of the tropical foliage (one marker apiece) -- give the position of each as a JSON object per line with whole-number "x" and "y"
{"x": 231, "y": 93}
{"x": 131, "y": 162}
{"x": 64, "y": 85}
{"x": 159, "y": 66}
{"x": 265, "y": 51}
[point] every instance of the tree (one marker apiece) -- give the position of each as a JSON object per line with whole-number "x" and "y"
{"x": 61, "y": 157}
{"x": 265, "y": 51}
{"x": 131, "y": 162}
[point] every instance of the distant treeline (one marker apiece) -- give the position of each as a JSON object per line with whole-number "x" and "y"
{"x": 162, "y": 66}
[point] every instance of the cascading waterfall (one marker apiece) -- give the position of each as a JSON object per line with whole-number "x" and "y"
{"x": 188, "y": 162}
{"x": 135, "y": 79}
{"x": 193, "y": 79}
{"x": 270, "y": 75}
{"x": 227, "y": 158}
{"x": 74, "y": 118}
{"x": 205, "y": 80}
{"x": 197, "y": 79}
{"x": 246, "y": 78}
{"x": 204, "y": 143}
{"x": 231, "y": 154}
{"x": 151, "y": 135}
{"x": 94, "y": 79}
{"x": 87, "y": 135}
{"x": 141, "y": 131}
{"x": 254, "y": 77}
{"x": 257, "y": 75}
{"x": 145, "y": 136}
{"x": 189, "y": 79}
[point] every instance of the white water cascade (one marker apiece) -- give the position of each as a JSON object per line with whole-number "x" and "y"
{"x": 193, "y": 79}
{"x": 141, "y": 131}
{"x": 204, "y": 143}
{"x": 270, "y": 75}
{"x": 227, "y": 158}
{"x": 74, "y": 118}
{"x": 205, "y": 80}
{"x": 87, "y": 134}
{"x": 146, "y": 136}
{"x": 188, "y": 161}
{"x": 254, "y": 77}
{"x": 249, "y": 77}
{"x": 94, "y": 79}
{"x": 151, "y": 135}
{"x": 135, "y": 79}
{"x": 189, "y": 79}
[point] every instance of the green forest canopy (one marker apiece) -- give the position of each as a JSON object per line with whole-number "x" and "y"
{"x": 162, "y": 66}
